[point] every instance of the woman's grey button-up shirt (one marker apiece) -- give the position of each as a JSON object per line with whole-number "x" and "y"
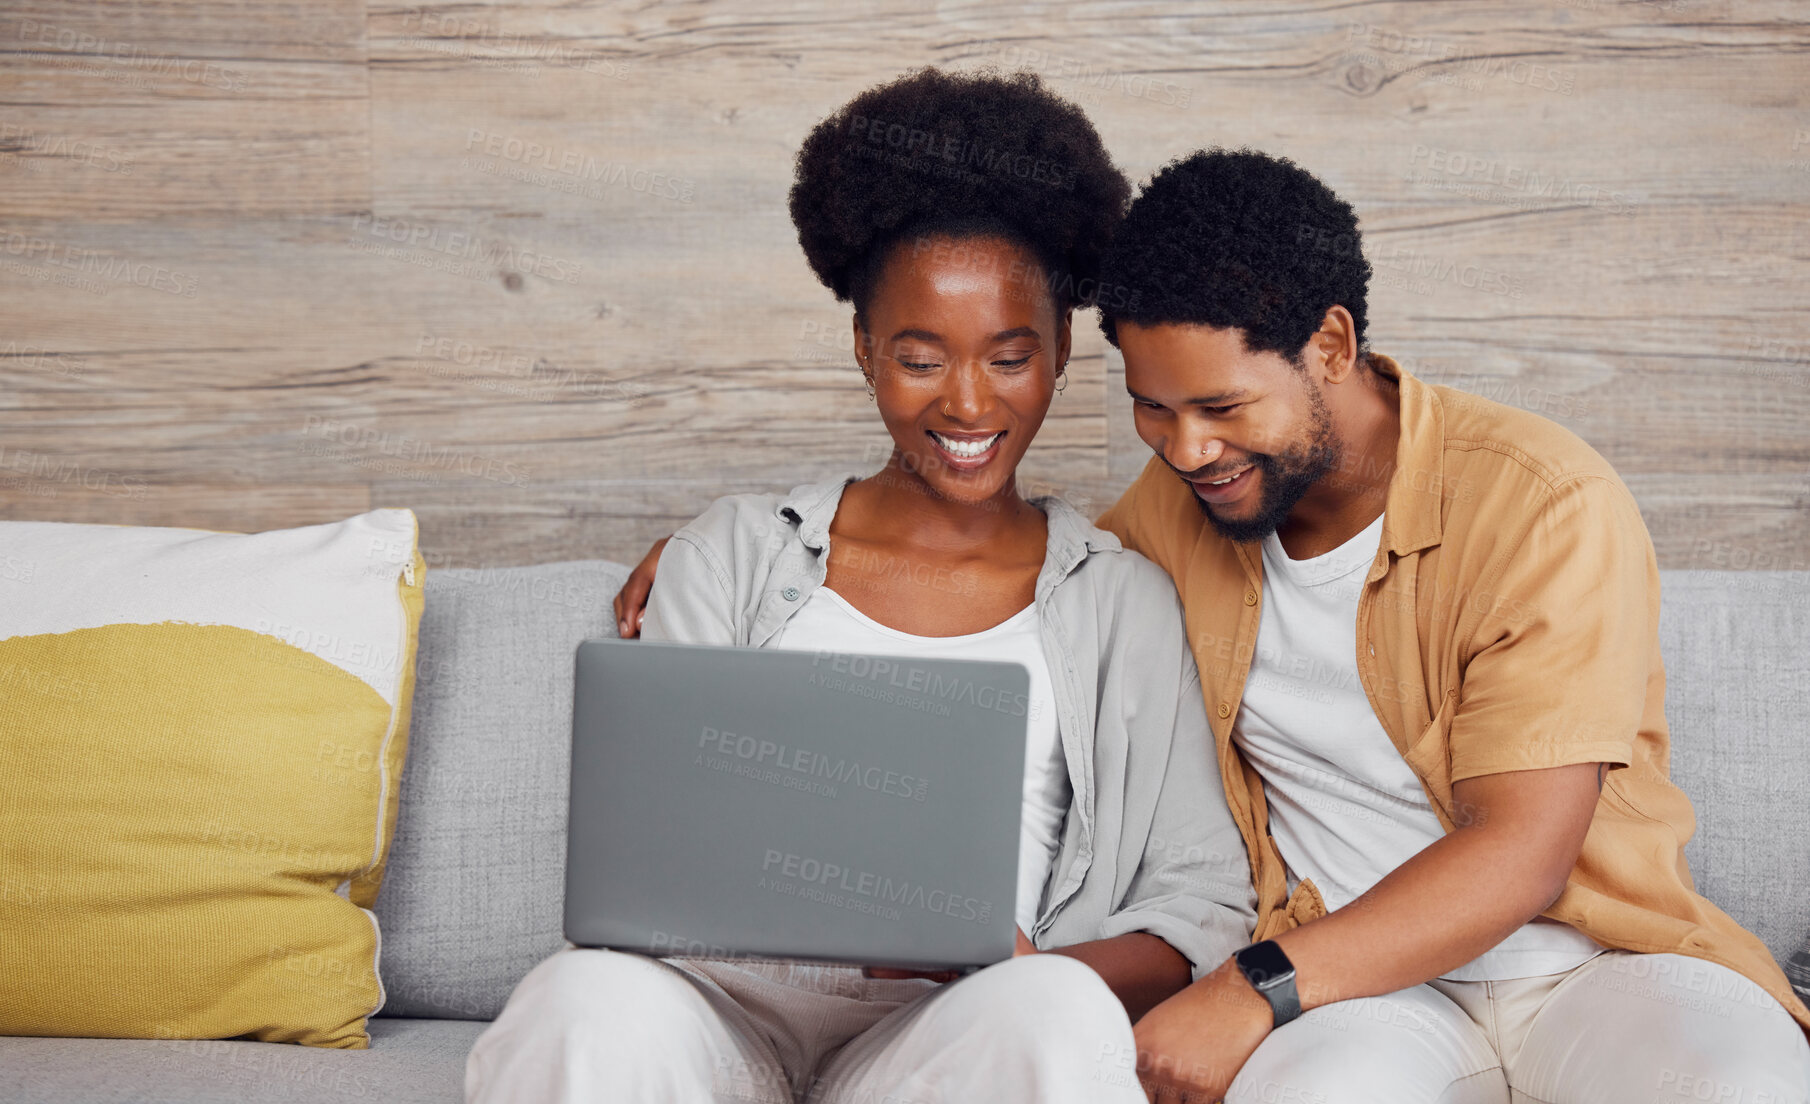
{"x": 1148, "y": 843}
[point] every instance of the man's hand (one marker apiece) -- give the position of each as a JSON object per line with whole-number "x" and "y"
{"x": 631, "y": 600}
{"x": 1192, "y": 1045}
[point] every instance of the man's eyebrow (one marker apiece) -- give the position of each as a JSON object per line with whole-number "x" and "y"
{"x": 1221, "y": 399}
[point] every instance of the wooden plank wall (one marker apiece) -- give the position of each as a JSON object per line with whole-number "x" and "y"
{"x": 267, "y": 264}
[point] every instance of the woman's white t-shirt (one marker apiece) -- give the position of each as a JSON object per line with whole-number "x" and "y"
{"x": 827, "y": 622}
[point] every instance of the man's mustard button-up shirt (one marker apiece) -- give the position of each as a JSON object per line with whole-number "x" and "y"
{"x": 1510, "y": 622}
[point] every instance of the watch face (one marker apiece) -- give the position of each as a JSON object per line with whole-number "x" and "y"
{"x": 1264, "y": 963}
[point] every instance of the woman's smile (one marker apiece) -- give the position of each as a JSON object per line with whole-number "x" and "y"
{"x": 966, "y": 451}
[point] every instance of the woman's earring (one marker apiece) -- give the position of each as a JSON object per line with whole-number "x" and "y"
{"x": 871, "y": 397}
{"x": 1062, "y": 379}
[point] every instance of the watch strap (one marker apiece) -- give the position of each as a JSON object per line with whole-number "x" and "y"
{"x": 1278, "y": 989}
{"x": 1285, "y": 1001}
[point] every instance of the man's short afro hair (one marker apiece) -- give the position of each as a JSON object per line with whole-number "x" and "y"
{"x": 958, "y": 154}
{"x": 1238, "y": 239}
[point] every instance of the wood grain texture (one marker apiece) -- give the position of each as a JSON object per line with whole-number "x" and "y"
{"x": 526, "y": 267}
{"x": 118, "y": 110}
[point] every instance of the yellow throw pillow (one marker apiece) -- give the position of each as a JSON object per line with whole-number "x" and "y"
{"x": 201, "y": 745}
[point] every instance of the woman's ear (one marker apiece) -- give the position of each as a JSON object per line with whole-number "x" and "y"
{"x": 864, "y": 347}
{"x": 1065, "y": 330}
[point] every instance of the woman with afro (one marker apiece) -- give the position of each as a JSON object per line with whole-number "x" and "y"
{"x": 962, "y": 217}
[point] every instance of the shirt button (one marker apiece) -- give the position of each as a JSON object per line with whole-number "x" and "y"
{"x": 1250, "y": 597}
{"x": 1224, "y": 710}
{"x": 790, "y": 594}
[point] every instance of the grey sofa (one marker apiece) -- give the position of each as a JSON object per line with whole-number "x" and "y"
{"x": 472, "y": 899}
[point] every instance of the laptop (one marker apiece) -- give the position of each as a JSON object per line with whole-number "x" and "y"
{"x": 788, "y": 805}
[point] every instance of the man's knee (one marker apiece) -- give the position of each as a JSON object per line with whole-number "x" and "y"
{"x": 1411, "y": 1045}
{"x": 1677, "y": 1027}
{"x": 1321, "y": 1069}
{"x": 1362, "y": 1077}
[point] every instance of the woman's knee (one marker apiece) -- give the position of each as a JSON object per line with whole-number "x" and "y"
{"x": 599, "y": 1025}
{"x": 1044, "y": 995}
{"x": 598, "y": 987}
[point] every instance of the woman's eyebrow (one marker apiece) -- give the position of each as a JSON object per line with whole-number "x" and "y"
{"x": 917, "y": 335}
{"x": 1003, "y": 335}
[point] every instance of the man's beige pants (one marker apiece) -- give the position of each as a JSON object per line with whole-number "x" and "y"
{"x": 600, "y": 1027}
{"x": 1623, "y": 1027}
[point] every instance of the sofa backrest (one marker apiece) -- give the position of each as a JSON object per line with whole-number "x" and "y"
{"x": 476, "y": 881}
{"x": 475, "y": 888}
{"x": 1737, "y": 700}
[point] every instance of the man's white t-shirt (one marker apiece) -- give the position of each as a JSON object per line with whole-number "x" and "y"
{"x": 1345, "y": 808}
{"x": 827, "y": 622}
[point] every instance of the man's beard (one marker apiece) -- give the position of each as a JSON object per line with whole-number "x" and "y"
{"x": 1287, "y": 476}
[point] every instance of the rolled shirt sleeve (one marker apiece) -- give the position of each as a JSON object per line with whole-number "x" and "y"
{"x": 1561, "y": 654}
{"x": 691, "y": 602}
{"x": 1192, "y": 886}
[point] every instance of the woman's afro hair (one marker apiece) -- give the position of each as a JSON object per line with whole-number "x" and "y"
{"x": 1237, "y": 239}
{"x": 962, "y": 155}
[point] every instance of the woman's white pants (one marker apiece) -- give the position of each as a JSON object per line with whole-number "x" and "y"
{"x": 602, "y": 1027}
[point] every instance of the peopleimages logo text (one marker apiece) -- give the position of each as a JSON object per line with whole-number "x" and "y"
{"x": 909, "y": 894}
{"x": 813, "y": 764}
{"x": 917, "y": 680}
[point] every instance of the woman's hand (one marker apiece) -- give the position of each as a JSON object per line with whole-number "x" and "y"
{"x": 1021, "y": 946}
{"x": 631, "y": 600}
{"x": 891, "y": 973}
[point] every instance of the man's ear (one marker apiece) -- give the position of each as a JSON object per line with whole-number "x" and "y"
{"x": 1334, "y": 345}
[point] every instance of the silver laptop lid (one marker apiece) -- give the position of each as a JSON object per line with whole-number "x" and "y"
{"x": 781, "y": 804}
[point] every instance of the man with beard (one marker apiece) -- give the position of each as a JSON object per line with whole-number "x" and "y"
{"x": 1427, "y": 632}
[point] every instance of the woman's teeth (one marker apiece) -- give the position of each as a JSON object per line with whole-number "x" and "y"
{"x": 965, "y": 447}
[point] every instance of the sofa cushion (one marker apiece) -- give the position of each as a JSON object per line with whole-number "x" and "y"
{"x": 1737, "y": 664}
{"x": 201, "y": 737}
{"x": 409, "y": 1062}
{"x": 474, "y": 896}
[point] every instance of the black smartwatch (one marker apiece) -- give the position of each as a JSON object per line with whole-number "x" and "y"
{"x": 1273, "y": 976}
